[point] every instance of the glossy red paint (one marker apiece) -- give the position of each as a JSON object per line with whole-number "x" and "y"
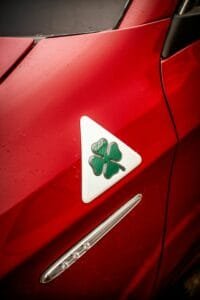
{"x": 11, "y": 49}
{"x": 145, "y": 11}
{"x": 183, "y": 231}
{"x": 181, "y": 82}
{"x": 105, "y": 76}
{"x": 109, "y": 76}
{"x": 107, "y": 268}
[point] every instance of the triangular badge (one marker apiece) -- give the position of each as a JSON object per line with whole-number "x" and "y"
{"x": 105, "y": 159}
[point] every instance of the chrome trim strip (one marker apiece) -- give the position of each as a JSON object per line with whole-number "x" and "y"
{"x": 183, "y": 7}
{"x": 76, "y": 252}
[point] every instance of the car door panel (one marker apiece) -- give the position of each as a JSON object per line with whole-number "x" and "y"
{"x": 182, "y": 231}
{"x": 181, "y": 83}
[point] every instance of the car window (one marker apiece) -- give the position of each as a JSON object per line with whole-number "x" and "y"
{"x": 58, "y": 17}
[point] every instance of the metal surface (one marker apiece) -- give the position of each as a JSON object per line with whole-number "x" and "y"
{"x": 41, "y": 158}
{"x": 73, "y": 255}
{"x": 114, "y": 78}
{"x": 12, "y": 50}
{"x": 183, "y": 7}
{"x": 94, "y": 184}
{"x": 119, "y": 87}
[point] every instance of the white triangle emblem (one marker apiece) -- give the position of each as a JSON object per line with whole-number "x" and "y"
{"x": 105, "y": 159}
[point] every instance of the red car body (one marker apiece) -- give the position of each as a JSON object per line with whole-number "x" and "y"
{"x": 118, "y": 79}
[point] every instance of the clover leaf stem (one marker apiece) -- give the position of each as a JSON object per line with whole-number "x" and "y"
{"x": 121, "y": 167}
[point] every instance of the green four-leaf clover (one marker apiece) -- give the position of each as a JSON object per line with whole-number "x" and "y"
{"x": 105, "y": 159}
